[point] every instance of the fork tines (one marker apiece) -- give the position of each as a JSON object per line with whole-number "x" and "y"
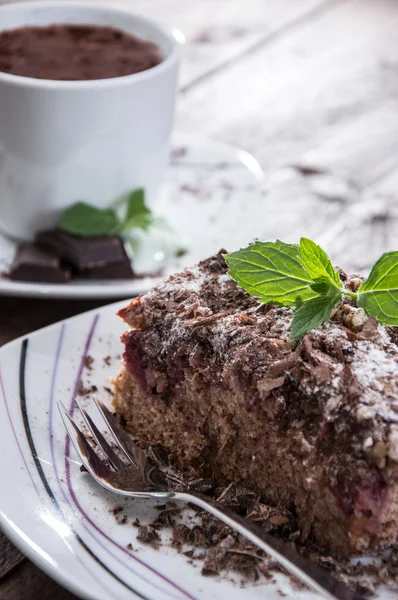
{"x": 134, "y": 474}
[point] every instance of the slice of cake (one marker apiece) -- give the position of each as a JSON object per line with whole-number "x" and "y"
{"x": 311, "y": 425}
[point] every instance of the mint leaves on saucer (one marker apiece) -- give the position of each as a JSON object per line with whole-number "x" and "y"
{"x": 302, "y": 276}
{"x": 87, "y": 220}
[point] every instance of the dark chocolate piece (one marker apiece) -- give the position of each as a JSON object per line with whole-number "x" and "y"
{"x": 37, "y": 265}
{"x": 84, "y": 253}
{"x": 116, "y": 270}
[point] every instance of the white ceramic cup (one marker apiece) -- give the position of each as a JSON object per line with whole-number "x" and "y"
{"x": 63, "y": 141}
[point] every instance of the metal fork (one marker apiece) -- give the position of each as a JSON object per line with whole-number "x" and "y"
{"x": 139, "y": 476}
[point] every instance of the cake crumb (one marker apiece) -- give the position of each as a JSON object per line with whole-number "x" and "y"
{"x": 148, "y": 534}
{"x": 86, "y": 390}
{"x": 115, "y": 510}
{"x": 121, "y": 519}
{"x": 88, "y": 362}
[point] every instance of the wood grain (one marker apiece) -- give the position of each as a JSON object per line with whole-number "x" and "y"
{"x": 324, "y": 96}
{"x": 19, "y": 316}
{"x": 10, "y": 557}
{"x": 29, "y": 583}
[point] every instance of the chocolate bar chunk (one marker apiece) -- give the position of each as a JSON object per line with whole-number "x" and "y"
{"x": 85, "y": 253}
{"x": 118, "y": 270}
{"x": 34, "y": 264}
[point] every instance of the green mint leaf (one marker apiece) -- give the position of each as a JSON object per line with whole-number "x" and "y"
{"x": 378, "y": 294}
{"x": 87, "y": 220}
{"x": 321, "y": 286}
{"x": 312, "y": 313}
{"x": 325, "y": 286}
{"x": 272, "y": 272}
{"x": 136, "y": 204}
{"x": 138, "y": 215}
{"x": 137, "y": 222}
{"x": 316, "y": 261}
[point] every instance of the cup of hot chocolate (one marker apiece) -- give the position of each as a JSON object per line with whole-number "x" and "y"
{"x": 87, "y": 97}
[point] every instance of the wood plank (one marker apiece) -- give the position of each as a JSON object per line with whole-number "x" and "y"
{"x": 19, "y": 316}
{"x": 10, "y": 557}
{"x": 305, "y": 89}
{"x": 29, "y": 583}
{"x": 324, "y": 96}
{"x": 371, "y": 226}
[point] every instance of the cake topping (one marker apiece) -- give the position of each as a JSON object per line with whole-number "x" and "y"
{"x": 345, "y": 366}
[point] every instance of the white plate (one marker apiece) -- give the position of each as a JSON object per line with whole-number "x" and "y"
{"x": 57, "y": 515}
{"x": 211, "y": 197}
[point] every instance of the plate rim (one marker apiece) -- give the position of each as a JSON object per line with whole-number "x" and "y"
{"x": 32, "y": 551}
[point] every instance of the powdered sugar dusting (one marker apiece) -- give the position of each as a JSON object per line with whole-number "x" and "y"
{"x": 376, "y": 369}
{"x": 192, "y": 283}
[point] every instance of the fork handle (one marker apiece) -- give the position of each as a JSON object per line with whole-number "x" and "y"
{"x": 312, "y": 575}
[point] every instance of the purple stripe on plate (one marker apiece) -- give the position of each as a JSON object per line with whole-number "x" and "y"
{"x": 51, "y": 429}
{"x": 41, "y": 498}
{"x": 16, "y": 438}
{"x": 51, "y": 406}
{"x": 70, "y": 484}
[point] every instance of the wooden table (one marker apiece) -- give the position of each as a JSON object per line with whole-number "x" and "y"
{"x": 310, "y": 87}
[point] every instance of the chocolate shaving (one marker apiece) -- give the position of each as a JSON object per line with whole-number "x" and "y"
{"x": 115, "y": 510}
{"x": 86, "y": 391}
{"x": 222, "y": 550}
{"x": 121, "y": 519}
{"x": 147, "y": 534}
{"x": 88, "y": 362}
{"x": 369, "y": 330}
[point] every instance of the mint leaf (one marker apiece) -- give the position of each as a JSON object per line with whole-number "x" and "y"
{"x": 322, "y": 286}
{"x": 87, "y": 220}
{"x": 138, "y": 215}
{"x": 272, "y": 272}
{"x": 136, "y": 204}
{"x": 378, "y": 294}
{"x": 312, "y": 313}
{"x": 137, "y": 222}
{"x": 316, "y": 261}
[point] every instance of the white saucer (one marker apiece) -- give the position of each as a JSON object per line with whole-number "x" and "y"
{"x": 212, "y": 199}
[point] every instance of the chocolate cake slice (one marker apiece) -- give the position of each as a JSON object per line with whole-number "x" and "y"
{"x": 311, "y": 425}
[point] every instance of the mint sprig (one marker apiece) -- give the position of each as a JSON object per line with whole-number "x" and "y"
{"x": 84, "y": 219}
{"x": 87, "y": 220}
{"x": 302, "y": 276}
